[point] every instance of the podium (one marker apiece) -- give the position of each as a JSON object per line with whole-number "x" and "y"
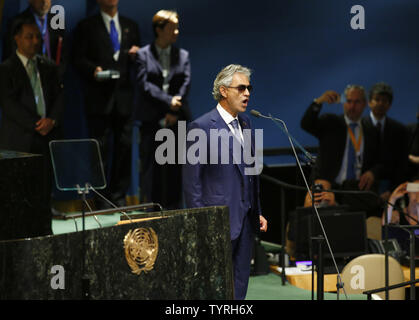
{"x": 179, "y": 254}
{"x": 24, "y": 209}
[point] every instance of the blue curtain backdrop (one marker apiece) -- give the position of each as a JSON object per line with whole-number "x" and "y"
{"x": 296, "y": 48}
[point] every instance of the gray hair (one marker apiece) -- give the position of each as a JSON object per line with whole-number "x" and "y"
{"x": 357, "y": 87}
{"x": 225, "y": 77}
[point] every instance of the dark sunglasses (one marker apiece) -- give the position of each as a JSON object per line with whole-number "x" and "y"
{"x": 242, "y": 88}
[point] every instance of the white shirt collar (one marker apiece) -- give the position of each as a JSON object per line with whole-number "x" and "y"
{"x": 349, "y": 121}
{"x": 375, "y": 120}
{"x": 107, "y": 18}
{"x": 227, "y": 117}
{"x": 166, "y": 50}
{"x": 22, "y": 58}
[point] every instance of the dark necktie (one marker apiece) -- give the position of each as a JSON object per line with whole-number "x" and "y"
{"x": 114, "y": 37}
{"x": 350, "y": 170}
{"x": 380, "y": 135}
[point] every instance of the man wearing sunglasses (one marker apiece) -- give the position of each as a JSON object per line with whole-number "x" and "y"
{"x": 226, "y": 184}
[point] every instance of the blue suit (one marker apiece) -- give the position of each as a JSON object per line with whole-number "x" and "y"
{"x": 153, "y": 103}
{"x": 226, "y": 185}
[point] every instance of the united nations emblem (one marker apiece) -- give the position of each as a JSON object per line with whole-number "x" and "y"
{"x": 141, "y": 247}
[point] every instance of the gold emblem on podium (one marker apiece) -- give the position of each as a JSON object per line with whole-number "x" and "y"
{"x": 141, "y": 247}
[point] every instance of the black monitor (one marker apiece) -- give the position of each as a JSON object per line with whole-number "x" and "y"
{"x": 346, "y": 231}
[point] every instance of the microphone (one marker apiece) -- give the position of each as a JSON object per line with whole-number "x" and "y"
{"x": 257, "y": 114}
{"x": 310, "y": 159}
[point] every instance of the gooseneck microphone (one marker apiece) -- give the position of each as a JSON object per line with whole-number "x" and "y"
{"x": 311, "y": 159}
{"x": 308, "y": 155}
{"x": 255, "y": 113}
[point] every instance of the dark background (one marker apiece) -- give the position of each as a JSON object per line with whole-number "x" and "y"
{"x": 296, "y": 48}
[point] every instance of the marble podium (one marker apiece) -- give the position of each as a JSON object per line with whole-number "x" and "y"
{"x": 24, "y": 210}
{"x": 191, "y": 248}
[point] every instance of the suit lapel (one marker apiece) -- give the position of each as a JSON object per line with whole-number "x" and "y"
{"x": 124, "y": 33}
{"x": 22, "y": 78}
{"x": 103, "y": 35}
{"x": 244, "y": 125}
{"x": 174, "y": 60}
{"x": 155, "y": 55}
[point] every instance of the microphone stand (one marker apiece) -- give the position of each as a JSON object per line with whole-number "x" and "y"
{"x": 409, "y": 229}
{"x": 311, "y": 159}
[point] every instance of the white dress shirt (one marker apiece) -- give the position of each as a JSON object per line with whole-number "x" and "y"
{"x": 164, "y": 59}
{"x": 227, "y": 117}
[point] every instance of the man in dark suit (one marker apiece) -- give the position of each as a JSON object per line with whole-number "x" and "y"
{"x": 219, "y": 182}
{"x": 31, "y": 99}
{"x": 52, "y": 38}
{"x": 107, "y": 42}
{"x": 393, "y": 138}
{"x": 348, "y": 151}
{"x": 163, "y": 77}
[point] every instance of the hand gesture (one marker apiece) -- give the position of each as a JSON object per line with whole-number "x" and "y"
{"x": 133, "y": 51}
{"x": 176, "y": 103}
{"x": 329, "y": 96}
{"x": 399, "y": 192}
{"x": 366, "y": 181}
{"x": 44, "y": 126}
{"x": 263, "y": 223}
{"x": 98, "y": 69}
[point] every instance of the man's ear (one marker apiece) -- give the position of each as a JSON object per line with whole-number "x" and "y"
{"x": 223, "y": 91}
{"x": 158, "y": 31}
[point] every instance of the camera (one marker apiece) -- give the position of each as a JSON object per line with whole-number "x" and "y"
{"x": 317, "y": 188}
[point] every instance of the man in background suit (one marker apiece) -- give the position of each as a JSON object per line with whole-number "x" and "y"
{"x": 52, "y": 39}
{"x": 220, "y": 183}
{"x": 163, "y": 77}
{"x": 31, "y": 99}
{"x": 103, "y": 42}
{"x": 392, "y": 138}
{"x": 348, "y": 151}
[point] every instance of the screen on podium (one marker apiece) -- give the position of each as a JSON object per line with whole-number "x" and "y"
{"x": 77, "y": 164}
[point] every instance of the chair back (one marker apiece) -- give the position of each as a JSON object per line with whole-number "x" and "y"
{"x": 367, "y": 272}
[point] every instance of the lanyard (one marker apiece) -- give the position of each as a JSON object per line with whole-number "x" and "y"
{"x": 355, "y": 143}
{"x": 42, "y": 28}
